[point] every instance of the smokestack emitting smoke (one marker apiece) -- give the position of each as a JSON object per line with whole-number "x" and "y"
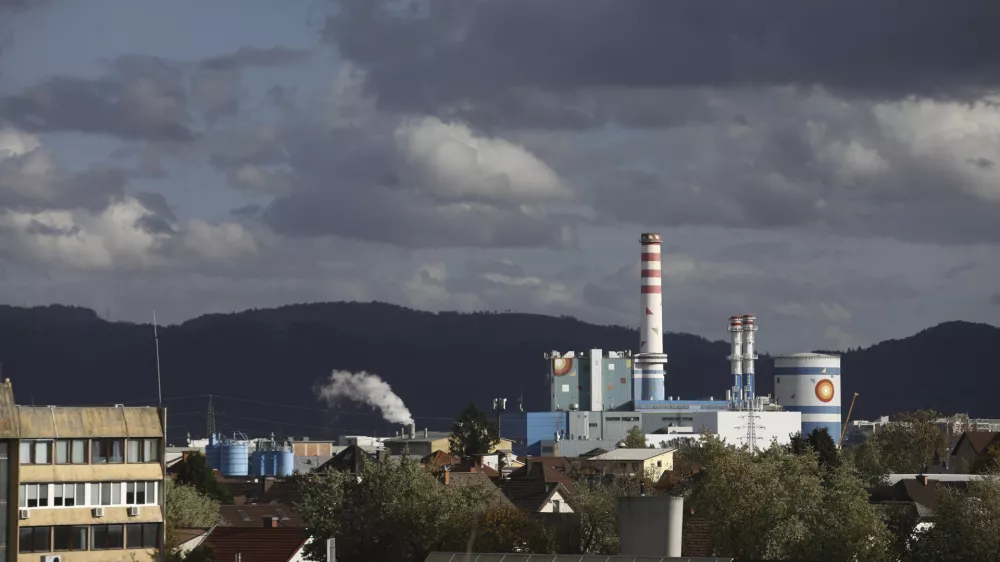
{"x": 649, "y": 371}
{"x": 366, "y": 388}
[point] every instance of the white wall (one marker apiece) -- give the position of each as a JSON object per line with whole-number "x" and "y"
{"x": 299, "y": 557}
{"x": 731, "y": 426}
{"x": 549, "y": 507}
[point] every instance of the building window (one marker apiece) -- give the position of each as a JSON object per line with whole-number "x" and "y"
{"x": 34, "y": 539}
{"x": 556, "y": 506}
{"x": 36, "y": 452}
{"x": 107, "y": 537}
{"x": 68, "y": 537}
{"x": 142, "y": 535}
{"x": 34, "y": 495}
{"x": 659, "y": 464}
{"x": 105, "y": 451}
{"x": 71, "y": 451}
{"x": 69, "y": 495}
{"x": 140, "y": 493}
{"x": 143, "y": 450}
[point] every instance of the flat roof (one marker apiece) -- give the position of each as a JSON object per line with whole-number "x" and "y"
{"x": 624, "y": 454}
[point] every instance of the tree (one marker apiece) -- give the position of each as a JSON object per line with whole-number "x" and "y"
{"x": 635, "y": 439}
{"x": 966, "y": 525}
{"x": 473, "y": 433}
{"x": 818, "y": 443}
{"x": 186, "y": 507}
{"x": 195, "y": 471}
{"x": 866, "y": 458}
{"x": 778, "y": 505}
{"x": 397, "y": 511}
{"x": 595, "y": 499}
{"x": 909, "y": 442}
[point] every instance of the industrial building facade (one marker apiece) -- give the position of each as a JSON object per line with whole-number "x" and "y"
{"x": 85, "y": 481}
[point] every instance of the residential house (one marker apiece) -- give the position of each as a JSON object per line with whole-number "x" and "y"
{"x": 649, "y": 462}
{"x": 970, "y": 451}
{"x": 266, "y": 490}
{"x": 550, "y": 470}
{"x": 89, "y": 480}
{"x": 459, "y": 479}
{"x": 254, "y": 515}
{"x": 349, "y": 459}
{"x": 536, "y": 496}
{"x": 421, "y": 444}
{"x": 917, "y": 493}
{"x": 263, "y": 543}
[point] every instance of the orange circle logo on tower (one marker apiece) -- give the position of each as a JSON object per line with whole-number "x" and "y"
{"x": 824, "y": 390}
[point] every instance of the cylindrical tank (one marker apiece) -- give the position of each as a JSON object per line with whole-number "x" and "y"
{"x": 810, "y": 383}
{"x": 234, "y": 459}
{"x": 257, "y": 463}
{"x": 212, "y": 452}
{"x": 286, "y": 463}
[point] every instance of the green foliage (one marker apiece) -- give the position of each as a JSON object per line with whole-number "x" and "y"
{"x": 778, "y": 505}
{"x": 596, "y": 501}
{"x": 201, "y": 553}
{"x": 397, "y": 511}
{"x": 966, "y": 525}
{"x": 818, "y": 443}
{"x": 866, "y": 458}
{"x": 186, "y": 507}
{"x": 195, "y": 471}
{"x": 909, "y": 444}
{"x": 473, "y": 433}
{"x": 635, "y": 439}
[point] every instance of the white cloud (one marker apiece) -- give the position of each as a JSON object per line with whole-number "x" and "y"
{"x": 450, "y": 161}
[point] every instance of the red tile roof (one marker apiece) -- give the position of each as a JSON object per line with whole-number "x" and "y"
{"x": 253, "y": 515}
{"x": 258, "y": 544}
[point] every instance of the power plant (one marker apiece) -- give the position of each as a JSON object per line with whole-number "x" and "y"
{"x": 597, "y": 396}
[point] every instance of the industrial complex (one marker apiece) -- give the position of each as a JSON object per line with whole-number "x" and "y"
{"x": 598, "y": 396}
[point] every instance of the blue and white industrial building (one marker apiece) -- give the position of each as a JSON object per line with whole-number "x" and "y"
{"x": 597, "y": 396}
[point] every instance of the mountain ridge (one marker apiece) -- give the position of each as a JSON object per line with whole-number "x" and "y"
{"x": 436, "y": 361}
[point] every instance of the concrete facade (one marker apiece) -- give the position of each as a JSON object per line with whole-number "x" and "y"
{"x": 593, "y": 380}
{"x": 86, "y": 482}
{"x": 731, "y": 426}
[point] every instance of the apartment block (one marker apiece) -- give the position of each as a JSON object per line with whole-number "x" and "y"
{"x": 80, "y": 483}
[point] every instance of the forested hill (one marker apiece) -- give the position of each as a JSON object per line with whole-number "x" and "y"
{"x": 437, "y": 362}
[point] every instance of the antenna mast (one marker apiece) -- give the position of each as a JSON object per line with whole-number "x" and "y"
{"x": 159, "y": 387}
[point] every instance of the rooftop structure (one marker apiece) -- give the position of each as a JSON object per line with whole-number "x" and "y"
{"x": 87, "y": 479}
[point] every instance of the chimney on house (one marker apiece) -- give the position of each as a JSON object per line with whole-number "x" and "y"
{"x": 266, "y": 483}
{"x": 528, "y": 464}
{"x": 447, "y": 477}
{"x": 922, "y": 478}
{"x": 270, "y": 522}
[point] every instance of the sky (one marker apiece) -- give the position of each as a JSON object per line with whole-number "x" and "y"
{"x": 832, "y": 167}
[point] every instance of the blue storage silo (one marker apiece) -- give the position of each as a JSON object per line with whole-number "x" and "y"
{"x": 257, "y": 463}
{"x": 212, "y": 452}
{"x": 234, "y": 457}
{"x": 286, "y": 463}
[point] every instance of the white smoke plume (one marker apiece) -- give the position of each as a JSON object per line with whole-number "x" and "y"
{"x": 366, "y": 388}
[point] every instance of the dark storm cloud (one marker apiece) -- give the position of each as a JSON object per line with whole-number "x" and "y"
{"x": 256, "y": 57}
{"x": 449, "y": 52}
{"x": 140, "y": 98}
{"x": 215, "y": 82}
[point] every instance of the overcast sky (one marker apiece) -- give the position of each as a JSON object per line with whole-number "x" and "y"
{"x": 832, "y": 167}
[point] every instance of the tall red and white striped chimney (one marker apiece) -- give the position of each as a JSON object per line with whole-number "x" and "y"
{"x": 649, "y": 372}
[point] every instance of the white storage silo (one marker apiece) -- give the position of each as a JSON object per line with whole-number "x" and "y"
{"x": 810, "y": 383}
